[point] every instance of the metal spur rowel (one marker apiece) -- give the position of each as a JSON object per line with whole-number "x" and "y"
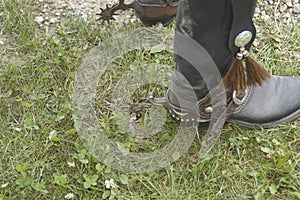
{"x": 108, "y": 13}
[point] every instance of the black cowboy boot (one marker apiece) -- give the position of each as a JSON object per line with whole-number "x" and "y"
{"x": 213, "y": 35}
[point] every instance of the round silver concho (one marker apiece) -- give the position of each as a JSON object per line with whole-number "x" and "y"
{"x": 243, "y": 38}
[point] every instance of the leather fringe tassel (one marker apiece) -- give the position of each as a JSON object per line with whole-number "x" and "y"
{"x": 235, "y": 78}
{"x": 239, "y": 77}
{"x": 256, "y": 74}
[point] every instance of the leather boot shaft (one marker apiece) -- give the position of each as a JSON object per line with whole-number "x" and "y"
{"x": 214, "y": 25}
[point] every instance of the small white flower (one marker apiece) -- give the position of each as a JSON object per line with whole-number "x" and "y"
{"x": 110, "y": 184}
{"x": 71, "y": 164}
{"x": 4, "y": 185}
{"x": 69, "y": 196}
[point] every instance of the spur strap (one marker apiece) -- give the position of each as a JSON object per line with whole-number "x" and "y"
{"x": 203, "y": 111}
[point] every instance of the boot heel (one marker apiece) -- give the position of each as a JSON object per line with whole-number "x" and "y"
{"x": 165, "y": 20}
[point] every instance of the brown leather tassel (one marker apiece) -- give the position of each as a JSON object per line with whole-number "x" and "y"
{"x": 235, "y": 78}
{"x": 256, "y": 74}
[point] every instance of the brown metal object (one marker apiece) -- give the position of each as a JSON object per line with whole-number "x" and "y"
{"x": 137, "y": 109}
{"x": 151, "y": 11}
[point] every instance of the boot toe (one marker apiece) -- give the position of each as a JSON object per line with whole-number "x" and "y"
{"x": 277, "y": 101}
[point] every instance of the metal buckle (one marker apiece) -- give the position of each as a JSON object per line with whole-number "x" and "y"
{"x": 238, "y": 101}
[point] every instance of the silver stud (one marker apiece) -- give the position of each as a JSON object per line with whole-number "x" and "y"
{"x": 245, "y": 53}
{"x": 209, "y": 110}
{"x": 239, "y": 56}
{"x": 243, "y": 38}
{"x": 150, "y": 95}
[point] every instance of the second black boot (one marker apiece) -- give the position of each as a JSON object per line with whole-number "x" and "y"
{"x": 151, "y": 12}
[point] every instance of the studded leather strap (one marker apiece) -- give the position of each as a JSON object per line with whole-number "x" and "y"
{"x": 203, "y": 110}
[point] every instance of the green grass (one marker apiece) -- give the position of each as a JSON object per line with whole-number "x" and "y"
{"x": 36, "y": 84}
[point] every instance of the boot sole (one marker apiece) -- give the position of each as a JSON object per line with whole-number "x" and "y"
{"x": 273, "y": 124}
{"x": 287, "y": 119}
{"x": 165, "y": 20}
